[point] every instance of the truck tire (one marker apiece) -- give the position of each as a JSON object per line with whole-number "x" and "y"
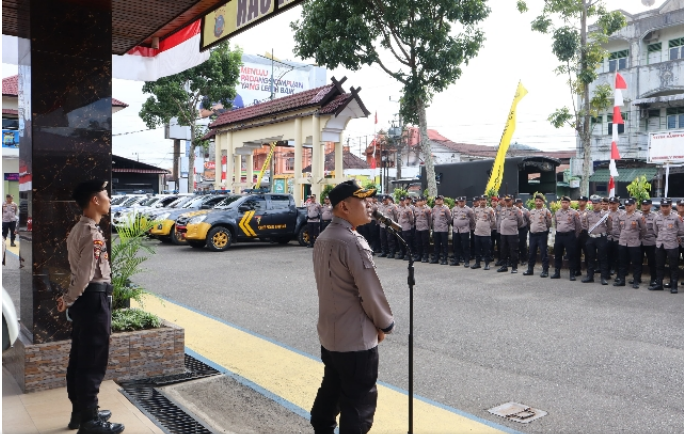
{"x": 174, "y": 237}
{"x": 197, "y": 244}
{"x": 303, "y": 236}
{"x": 219, "y": 239}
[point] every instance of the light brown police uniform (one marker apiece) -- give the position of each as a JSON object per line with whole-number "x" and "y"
{"x": 352, "y": 306}
{"x": 327, "y": 212}
{"x": 88, "y": 258}
{"x": 540, "y": 220}
{"x": 423, "y": 218}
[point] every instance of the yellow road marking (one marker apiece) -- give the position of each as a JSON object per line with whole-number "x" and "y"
{"x": 295, "y": 377}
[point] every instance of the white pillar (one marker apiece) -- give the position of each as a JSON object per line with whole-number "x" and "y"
{"x": 316, "y": 167}
{"x": 339, "y": 160}
{"x": 297, "y": 161}
{"x": 227, "y": 144}
{"x": 250, "y": 170}
{"x": 217, "y": 160}
{"x": 238, "y": 171}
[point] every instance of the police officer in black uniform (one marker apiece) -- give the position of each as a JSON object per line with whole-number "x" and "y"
{"x": 88, "y": 303}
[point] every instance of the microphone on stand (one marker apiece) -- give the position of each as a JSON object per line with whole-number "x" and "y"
{"x": 386, "y": 221}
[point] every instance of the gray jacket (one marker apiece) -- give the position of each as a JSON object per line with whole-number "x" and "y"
{"x": 352, "y": 306}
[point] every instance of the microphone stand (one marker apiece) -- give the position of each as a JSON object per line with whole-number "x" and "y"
{"x": 411, "y": 283}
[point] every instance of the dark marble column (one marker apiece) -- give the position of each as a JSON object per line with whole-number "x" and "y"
{"x": 65, "y": 79}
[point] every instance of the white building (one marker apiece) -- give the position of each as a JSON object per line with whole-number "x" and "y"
{"x": 649, "y": 54}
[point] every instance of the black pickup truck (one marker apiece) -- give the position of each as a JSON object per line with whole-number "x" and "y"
{"x": 266, "y": 216}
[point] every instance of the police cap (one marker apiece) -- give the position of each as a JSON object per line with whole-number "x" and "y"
{"x": 440, "y": 196}
{"x": 630, "y": 201}
{"x": 565, "y": 199}
{"x": 680, "y": 203}
{"x": 518, "y": 200}
{"x": 614, "y": 199}
{"x": 666, "y": 201}
{"x": 605, "y": 200}
{"x": 646, "y": 202}
{"x": 583, "y": 198}
{"x": 86, "y": 190}
{"x": 347, "y": 189}
{"x": 402, "y": 198}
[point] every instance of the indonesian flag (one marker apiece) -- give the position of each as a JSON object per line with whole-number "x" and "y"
{"x": 617, "y": 120}
{"x": 224, "y": 161}
{"x": 373, "y": 164}
{"x": 175, "y": 54}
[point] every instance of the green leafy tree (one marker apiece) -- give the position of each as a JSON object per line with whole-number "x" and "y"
{"x": 580, "y": 53}
{"x": 326, "y": 192}
{"x": 181, "y": 95}
{"x": 639, "y": 189}
{"x": 399, "y": 193}
{"x": 421, "y": 44}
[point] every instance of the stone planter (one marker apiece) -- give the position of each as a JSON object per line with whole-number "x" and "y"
{"x": 132, "y": 355}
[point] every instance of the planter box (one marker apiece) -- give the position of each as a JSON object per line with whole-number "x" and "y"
{"x": 132, "y": 356}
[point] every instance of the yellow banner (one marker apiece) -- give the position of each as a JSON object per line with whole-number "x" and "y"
{"x": 233, "y": 16}
{"x": 498, "y": 170}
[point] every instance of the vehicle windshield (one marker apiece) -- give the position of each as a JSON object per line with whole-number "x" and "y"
{"x": 228, "y": 202}
{"x": 132, "y": 200}
{"x": 181, "y": 201}
{"x": 151, "y": 201}
{"x": 196, "y": 202}
{"x": 165, "y": 203}
{"x": 118, "y": 199}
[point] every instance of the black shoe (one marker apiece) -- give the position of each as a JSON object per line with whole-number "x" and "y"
{"x": 673, "y": 290}
{"x": 619, "y": 282}
{"x": 390, "y": 256}
{"x": 383, "y": 254}
{"x": 425, "y": 260}
{"x": 498, "y": 263}
{"x": 454, "y": 263}
{"x": 667, "y": 285}
{"x": 406, "y": 257}
{"x": 502, "y": 269}
{"x": 635, "y": 285}
{"x": 572, "y": 276}
{"x": 588, "y": 279}
{"x": 12, "y": 244}
{"x": 633, "y": 281}
{"x": 486, "y": 267}
{"x": 75, "y": 421}
{"x": 544, "y": 273}
{"x": 434, "y": 261}
{"x": 476, "y": 266}
{"x": 578, "y": 273}
{"x": 604, "y": 281}
{"x": 652, "y": 283}
{"x": 528, "y": 272}
{"x": 655, "y": 287}
{"x": 556, "y": 275}
{"x": 399, "y": 257}
{"x": 467, "y": 264}
{"x": 443, "y": 262}
{"x": 514, "y": 270}
{"x": 523, "y": 262}
{"x": 612, "y": 272}
{"x": 100, "y": 427}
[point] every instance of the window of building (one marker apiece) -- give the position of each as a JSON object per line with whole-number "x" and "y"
{"x": 621, "y": 127}
{"x": 655, "y": 52}
{"x": 676, "y": 47}
{"x": 675, "y": 118}
{"x": 618, "y": 60}
{"x": 289, "y": 164}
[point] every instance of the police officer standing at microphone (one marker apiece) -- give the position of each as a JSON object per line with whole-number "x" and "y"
{"x": 354, "y": 317}
{"x": 88, "y": 301}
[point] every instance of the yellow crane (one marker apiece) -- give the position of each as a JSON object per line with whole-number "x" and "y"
{"x": 263, "y": 168}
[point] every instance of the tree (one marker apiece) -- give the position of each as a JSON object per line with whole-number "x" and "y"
{"x": 639, "y": 189}
{"x": 181, "y": 95}
{"x": 580, "y": 53}
{"x": 419, "y": 49}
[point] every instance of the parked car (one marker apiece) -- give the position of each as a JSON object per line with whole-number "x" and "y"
{"x": 165, "y": 229}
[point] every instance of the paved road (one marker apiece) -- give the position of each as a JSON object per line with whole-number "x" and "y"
{"x": 597, "y": 359}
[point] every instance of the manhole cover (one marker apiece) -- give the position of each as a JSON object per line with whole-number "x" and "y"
{"x": 516, "y": 412}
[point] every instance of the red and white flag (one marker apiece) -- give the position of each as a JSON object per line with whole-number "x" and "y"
{"x": 617, "y": 120}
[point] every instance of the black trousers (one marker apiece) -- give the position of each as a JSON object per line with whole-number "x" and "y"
{"x": 522, "y": 242}
{"x": 483, "y": 248}
{"x": 441, "y": 240}
{"x": 325, "y": 223}
{"x": 408, "y": 237}
{"x": 461, "y": 246}
{"x": 9, "y": 227}
{"x": 597, "y": 248}
{"x": 508, "y": 249}
{"x": 613, "y": 255}
{"x": 629, "y": 255}
{"x": 314, "y": 231}
{"x": 539, "y": 240}
{"x": 374, "y": 234}
{"x": 388, "y": 243}
{"x": 580, "y": 247}
{"x": 672, "y": 257}
{"x": 348, "y": 389}
{"x": 495, "y": 245}
{"x": 423, "y": 242}
{"x": 649, "y": 251}
{"x": 565, "y": 241}
{"x": 91, "y": 328}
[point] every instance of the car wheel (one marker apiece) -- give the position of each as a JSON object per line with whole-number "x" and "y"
{"x": 175, "y": 237}
{"x": 196, "y": 244}
{"x": 219, "y": 239}
{"x": 303, "y": 236}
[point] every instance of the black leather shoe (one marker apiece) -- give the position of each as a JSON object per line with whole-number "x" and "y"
{"x": 528, "y": 272}
{"x": 544, "y": 273}
{"x": 443, "y": 262}
{"x": 454, "y": 263}
{"x": 633, "y": 281}
{"x": 604, "y": 282}
{"x": 425, "y": 260}
{"x": 100, "y": 427}
{"x": 75, "y": 421}
{"x": 673, "y": 290}
{"x": 467, "y": 264}
{"x": 572, "y": 276}
{"x": 390, "y": 256}
{"x": 12, "y": 244}
{"x": 514, "y": 270}
{"x": 588, "y": 279}
{"x": 666, "y": 285}
{"x": 556, "y": 275}
{"x": 635, "y": 285}
{"x": 399, "y": 256}
{"x": 656, "y": 287}
{"x": 502, "y": 269}
{"x": 619, "y": 283}
{"x": 383, "y": 254}
{"x": 476, "y": 266}
{"x": 486, "y": 267}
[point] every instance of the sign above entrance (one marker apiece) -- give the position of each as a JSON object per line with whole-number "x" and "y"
{"x": 237, "y": 16}
{"x": 666, "y": 147}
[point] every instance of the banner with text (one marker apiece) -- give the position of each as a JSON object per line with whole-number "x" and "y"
{"x": 666, "y": 147}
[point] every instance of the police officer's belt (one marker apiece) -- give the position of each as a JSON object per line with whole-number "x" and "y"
{"x": 598, "y": 235}
{"x": 564, "y": 233}
{"x": 100, "y": 287}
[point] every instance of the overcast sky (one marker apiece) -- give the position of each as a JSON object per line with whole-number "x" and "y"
{"x": 473, "y": 110}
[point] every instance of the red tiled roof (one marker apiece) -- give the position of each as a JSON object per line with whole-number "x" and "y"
{"x": 336, "y": 103}
{"x": 118, "y": 103}
{"x": 296, "y": 101}
{"x": 10, "y": 86}
{"x": 10, "y": 112}
{"x": 349, "y": 161}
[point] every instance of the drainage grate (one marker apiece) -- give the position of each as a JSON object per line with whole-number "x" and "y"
{"x": 171, "y": 418}
{"x": 517, "y": 412}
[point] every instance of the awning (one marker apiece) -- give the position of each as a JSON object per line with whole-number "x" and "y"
{"x": 678, "y": 98}
{"x": 626, "y": 175}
